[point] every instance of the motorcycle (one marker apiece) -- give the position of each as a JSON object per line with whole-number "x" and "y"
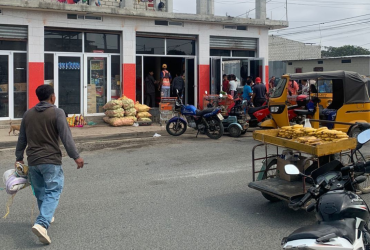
{"x": 343, "y": 216}
{"x": 208, "y": 121}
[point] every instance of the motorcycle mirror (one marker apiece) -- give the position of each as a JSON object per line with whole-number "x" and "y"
{"x": 364, "y": 137}
{"x": 360, "y": 179}
{"x": 291, "y": 169}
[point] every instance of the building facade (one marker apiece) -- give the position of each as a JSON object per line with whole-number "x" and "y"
{"x": 359, "y": 64}
{"x": 92, "y": 54}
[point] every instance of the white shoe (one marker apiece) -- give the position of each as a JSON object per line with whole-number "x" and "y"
{"x": 42, "y": 233}
{"x": 52, "y": 220}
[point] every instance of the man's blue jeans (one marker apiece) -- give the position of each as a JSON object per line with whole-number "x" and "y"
{"x": 166, "y": 92}
{"x": 47, "y": 181}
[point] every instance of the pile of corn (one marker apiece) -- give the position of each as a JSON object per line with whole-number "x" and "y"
{"x": 311, "y": 136}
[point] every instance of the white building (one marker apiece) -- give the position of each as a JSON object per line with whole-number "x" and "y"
{"x": 92, "y": 54}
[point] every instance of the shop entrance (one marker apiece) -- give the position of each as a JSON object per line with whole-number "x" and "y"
{"x": 181, "y": 66}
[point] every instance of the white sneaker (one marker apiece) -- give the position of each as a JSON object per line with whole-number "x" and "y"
{"x": 42, "y": 233}
{"x": 52, "y": 220}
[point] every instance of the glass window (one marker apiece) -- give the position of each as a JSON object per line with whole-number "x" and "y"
{"x": 279, "y": 89}
{"x": 97, "y": 85}
{"x": 65, "y": 41}
{"x": 49, "y": 69}
{"x": 220, "y": 52}
{"x": 180, "y": 47}
{"x": 108, "y": 43}
{"x": 243, "y": 53}
{"x": 13, "y": 45}
{"x": 139, "y": 80}
{"x": 116, "y": 77}
{"x": 325, "y": 86}
{"x": 20, "y": 84}
{"x": 4, "y": 86}
{"x": 149, "y": 45}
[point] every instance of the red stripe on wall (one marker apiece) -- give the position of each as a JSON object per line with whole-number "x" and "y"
{"x": 35, "y": 79}
{"x": 203, "y": 83}
{"x": 129, "y": 80}
{"x": 267, "y": 77}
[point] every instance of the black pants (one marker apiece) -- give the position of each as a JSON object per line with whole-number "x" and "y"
{"x": 259, "y": 102}
{"x": 175, "y": 92}
{"x": 150, "y": 99}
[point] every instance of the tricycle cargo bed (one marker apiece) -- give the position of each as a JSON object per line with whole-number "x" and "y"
{"x": 270, "y": 137}
{"x": 279, "y": 188}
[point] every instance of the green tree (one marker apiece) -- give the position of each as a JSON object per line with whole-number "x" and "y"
{"x": 346, "y": 50}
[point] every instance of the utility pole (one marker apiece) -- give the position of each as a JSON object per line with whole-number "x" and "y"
{"x": 286, "y": 8}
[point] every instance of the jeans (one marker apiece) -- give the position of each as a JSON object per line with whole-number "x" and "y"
{"x": 166, "y": 92}
{"x": 47, "y": 181}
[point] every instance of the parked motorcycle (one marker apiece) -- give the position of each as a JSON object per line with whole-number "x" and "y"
{"x": 343, "y": 216}
{"x": 208, "y": 121}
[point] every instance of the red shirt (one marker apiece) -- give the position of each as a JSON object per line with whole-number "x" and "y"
{"x": 225, "y": 86}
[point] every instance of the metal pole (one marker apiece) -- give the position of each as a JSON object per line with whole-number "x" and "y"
{"x": 286, "y": 8}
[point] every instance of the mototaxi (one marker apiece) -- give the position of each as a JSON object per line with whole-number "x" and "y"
{"x": 350, "y": 101}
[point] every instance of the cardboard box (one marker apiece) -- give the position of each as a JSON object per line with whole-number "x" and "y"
{"x": 280, "y": 171}
{"x": 20, "y": 86}
{"x": 4, "y": 88}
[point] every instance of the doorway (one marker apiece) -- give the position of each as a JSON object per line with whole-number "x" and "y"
{"x": 181, "y": 66}
{"x": 67, "y": 84}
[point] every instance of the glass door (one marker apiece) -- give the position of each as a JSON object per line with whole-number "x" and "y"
{"x": 6, "y": 92}
{"x": 257, "y": 69}
{"x": 216, "y": 76}
{"x": 97, "y": 85}
{"x": 67, "y": 83}
{"x": 190, "y": 87}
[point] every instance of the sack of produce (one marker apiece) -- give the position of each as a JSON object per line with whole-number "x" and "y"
{"x": 114, "y": 104}
{"x": 118, "y": 122}
{"x": 131, "y": 117}
{"x": 144, "y": 119}
{"x": 130, "y": 112}
{"x": 143, "y": 115}
{"x": 122, "y": 98}
{"x": 106, "y": 119}
{"x": 115, "y": 112}
{"x": 141, "y": 108}
{"x": 127, "y": 121}
{"x": 128, "y": 103}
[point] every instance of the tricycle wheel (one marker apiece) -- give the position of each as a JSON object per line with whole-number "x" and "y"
{"x": 354, "y": 132}
{"x": 234, "y": 130}
{"x": 268, "y": 174}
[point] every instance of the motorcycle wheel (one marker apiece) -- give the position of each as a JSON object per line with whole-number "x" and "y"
{"x": 234, "y": 130}
{"x": 215, "y": 130}
{"x": 268, "y": 175}
{"x": 176, "y": 128}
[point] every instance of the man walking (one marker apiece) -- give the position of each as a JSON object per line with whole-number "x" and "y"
{"x": 178, "y": 84}
{"x": 259, "y": 93}
{"x": 166, "y": 79}
{"x": 150, "y": 83}
{"x": 41, "y": 128}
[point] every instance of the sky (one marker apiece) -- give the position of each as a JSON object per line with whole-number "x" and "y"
{"x": 321, "y": 22}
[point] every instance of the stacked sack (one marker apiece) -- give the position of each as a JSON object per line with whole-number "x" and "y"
{"x": 143, "y": 114}
{"x": 115, "y": 114}
{"x": 129, "y": 106}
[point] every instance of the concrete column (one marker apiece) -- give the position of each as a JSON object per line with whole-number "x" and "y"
{"x": 129, "y": 60}
{"x": 203, "y": 67}
{"x": 211, "y": 7}
{"x": 261, "y": 9}
{"x": 35, "y": 59}
{"x": 169, "y": 6}
{"x": 201, "y": 7}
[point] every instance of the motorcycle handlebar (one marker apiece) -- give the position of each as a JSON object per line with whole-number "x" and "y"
{"x": 300, "y": 203}
{"x": 358, "y": 167}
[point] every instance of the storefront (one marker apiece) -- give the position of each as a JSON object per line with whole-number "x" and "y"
{"x": 84, "y": 68}
{"x": 177, "y": 51}
{"x": 234, "y": 56}
{"x": 13, "y": 71}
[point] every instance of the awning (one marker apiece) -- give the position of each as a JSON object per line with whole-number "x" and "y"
{"x": 13, "y": 32}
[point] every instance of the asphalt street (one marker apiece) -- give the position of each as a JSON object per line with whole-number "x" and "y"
{"x": 163, "y": 193}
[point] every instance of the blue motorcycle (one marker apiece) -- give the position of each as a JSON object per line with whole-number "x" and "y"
{"x": 208, "y": 121}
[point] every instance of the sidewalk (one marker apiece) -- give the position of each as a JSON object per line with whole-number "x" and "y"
{"x": 93, "y": 133}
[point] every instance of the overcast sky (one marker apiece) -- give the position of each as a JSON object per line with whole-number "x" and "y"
{"x": 353, "y": 27}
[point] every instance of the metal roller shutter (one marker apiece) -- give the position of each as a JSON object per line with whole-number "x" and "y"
{"x": 10, "y": 32}
{"x": 173, "y": 36}
{"x": 237, "y": 43}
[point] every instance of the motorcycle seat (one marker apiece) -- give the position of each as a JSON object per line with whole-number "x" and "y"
{"x": 303, "y": 112}
{"x": 342, "y": 228}
{"x": 203, "y": 112}
{"x": 252, "y": 110}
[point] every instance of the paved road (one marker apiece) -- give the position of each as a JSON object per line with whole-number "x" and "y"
{"x": 167, "y": 193}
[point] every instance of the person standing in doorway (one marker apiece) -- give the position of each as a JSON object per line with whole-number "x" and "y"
{"x": 166, "y": 79}
{"x": 259, "y": 93}
{"x": 41, "y": 128}
{"x": 178, "y": 84}
{"x": 248, "y": 93}
{"x": 232, "y": 85}
{"x": 225, "y": 84}
{"x": 150, "y": 83}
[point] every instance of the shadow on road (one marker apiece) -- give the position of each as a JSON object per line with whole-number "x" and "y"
{"x": 20, "y": 233}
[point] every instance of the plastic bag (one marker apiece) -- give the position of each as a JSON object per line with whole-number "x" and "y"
{"x": 143, "y": 115}
{"x": 307, "y": 123}
{"x": 132, "y": 117}
{"x": 130, "y": 112}
{"x": 144, "y": 119}
{"x": 114, "y": 104}
{"x": 128, "y": 103}
{"x": 141, "y": 107}
{"x": 156, "y": 135}
{"x": 118, "y": 122}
